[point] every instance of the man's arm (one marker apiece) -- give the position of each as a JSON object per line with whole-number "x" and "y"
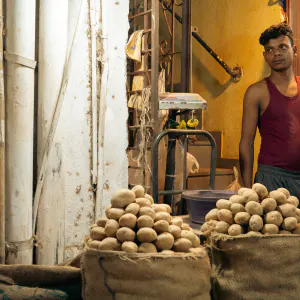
{"x": 249, "y": 125}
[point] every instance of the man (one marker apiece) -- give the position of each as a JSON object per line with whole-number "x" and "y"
{"x": 273, "y": 105}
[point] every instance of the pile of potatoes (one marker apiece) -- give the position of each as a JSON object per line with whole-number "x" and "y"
{"x": 255, "y": 212}
{"x": 134, "y": 224}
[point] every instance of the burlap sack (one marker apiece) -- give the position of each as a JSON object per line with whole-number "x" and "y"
{"x": 256, "y": 268}
{"x": 20, "y": 282}
{"x": 116, "y": 275}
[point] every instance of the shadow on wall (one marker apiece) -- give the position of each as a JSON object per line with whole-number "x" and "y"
{"x": 210, "y": 81}
{"x": 275, "y": 2}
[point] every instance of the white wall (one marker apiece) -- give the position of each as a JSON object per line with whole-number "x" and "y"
{"x": 113, "y": 140}
{"x": 68, "y": 205}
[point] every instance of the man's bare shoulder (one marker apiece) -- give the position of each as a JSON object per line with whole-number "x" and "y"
{"x": 257, "y": 90}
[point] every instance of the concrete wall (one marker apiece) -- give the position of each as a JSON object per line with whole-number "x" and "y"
{"x": 232, "y": 28}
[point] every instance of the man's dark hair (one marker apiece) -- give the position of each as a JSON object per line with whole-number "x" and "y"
{"x": 276, "y": 31}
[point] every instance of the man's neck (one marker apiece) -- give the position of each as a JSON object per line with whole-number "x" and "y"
{"x": 284, "y": 77}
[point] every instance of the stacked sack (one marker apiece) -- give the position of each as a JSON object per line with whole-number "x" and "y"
{"x": 255, "y": 212}
{"x": 134, "y": 224}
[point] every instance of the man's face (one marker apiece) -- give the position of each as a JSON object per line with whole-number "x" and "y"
{"x": 279, "y": 53}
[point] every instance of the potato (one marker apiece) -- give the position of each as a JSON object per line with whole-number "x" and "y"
{"x": 89, "y": 240}
{"x": 212, "y": 215}
{"x": 182, "y": 245}
{"x": 256, "y": 223}
{"x": 132, "y": 208}
{"x": 251, "y": 196}
{"x": 110, "y": 244}
{"x": 125, "y": 235}
{"x": 98, "y": 233}
{"x": 235, "y": 230}
{"x": 167, "y": 252}
{"x": 94, "y": 244}
{"x": 261, "y": 190}
{"x": 168, "y": 207}
{"x": 287, "y": 210}
{"x": 293, "y": 200}
{"x": 158, "y": 208}
{"x": 161, "y": 226}
{"x": 111, "y": 228}
{"x": 242, "y": 191}
{"x": 254, "y": 233}
{"x": 297, "y": 229}
{"x": 236, "y": 208}
{"x": 107, "y": 209}
{"x": 285, "y": 191}
{"x": 145, "y": 221}
{"x": 122, "y": 198}
{"x": 147, "y": 196}
{"x": 146, "y": 235}
{"x": 186, "y": 234}
{"x": 284, "y": 232}
{"x": 270, "y": 229}
{"x": 164, "y": 241}
{"x": 254, "y": 208}
{"x": 269, "y": 204}
{"x": 139, "y": 191}
{"x": 177, "y": 221}
{"x": 101, "y": 222}
{"x": 273, "y": 217}
{"x": 242, "y": 218}
{"x": 128, "y": 220}
{"x": 196, "y": 242}
{"x": 93, "y": 226}
{"x": 209, "y": 225}
{"x": 279, "y": 197}
{"x": 129, "y": 247}
{"x": 147, "y": 248}
{"x": 115, "y": 213}
{"x": 289, "y": 223}
{"x": 237, "y": 199}
{"x": 142, "y": 202}
{"x": 225, "y": 215}
{"x": 174, "y": 230}
{"x": 222, "y": 227}
{"x": 298, "y": 214}
{"x": 185, "y": 226}
{"x": 163, "y": 216}
{"x": 223, "y": 204}
{"x": 147, "y": 211}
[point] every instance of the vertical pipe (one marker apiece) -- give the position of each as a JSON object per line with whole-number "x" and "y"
{"x": 186, "y": 46}
{"x": 2, "y": 145}
{"x": 154, "y": 66}
{"x": 173, "y": 47}
{"x": 20, "y": 40}
{"x": 53, "y": 30}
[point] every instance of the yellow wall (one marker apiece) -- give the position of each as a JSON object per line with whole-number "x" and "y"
{"x": 232, "y": 28}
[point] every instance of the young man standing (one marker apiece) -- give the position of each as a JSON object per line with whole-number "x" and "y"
{"x": 273, "y": 105}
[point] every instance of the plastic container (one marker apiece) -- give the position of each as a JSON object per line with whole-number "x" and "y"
{"x": 200, "y": 202}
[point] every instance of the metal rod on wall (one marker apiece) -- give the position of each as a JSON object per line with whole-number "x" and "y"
{"x": 235, "y": 72}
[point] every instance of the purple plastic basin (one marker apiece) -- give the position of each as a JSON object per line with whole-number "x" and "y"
{"x": 200, "y": 202}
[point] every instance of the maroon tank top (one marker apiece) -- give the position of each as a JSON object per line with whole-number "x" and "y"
{"x": 279, "y": 128}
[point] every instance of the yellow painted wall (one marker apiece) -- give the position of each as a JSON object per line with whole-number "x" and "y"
{"x": 232, "y": 28}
